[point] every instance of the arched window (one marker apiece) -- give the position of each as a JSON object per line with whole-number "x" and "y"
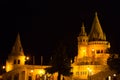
{"x": 29, "y": 77}
{"x": 101, "y": 51}
{"x": 14, "y": 61}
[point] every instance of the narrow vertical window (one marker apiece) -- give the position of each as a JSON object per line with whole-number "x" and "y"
{"x": 18, "y": 61}
{"x": 29, "y": 77}
{"x": 14, "y": 61}
{"x": 101, "y": 51}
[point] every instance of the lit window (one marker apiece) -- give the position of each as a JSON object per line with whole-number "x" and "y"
{"x": 93, "y": 51}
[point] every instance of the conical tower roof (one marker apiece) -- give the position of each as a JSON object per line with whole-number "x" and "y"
{"x": 83, "y": 33}
{"x": 17, "y": 49}
{"x": 96, "y": 32}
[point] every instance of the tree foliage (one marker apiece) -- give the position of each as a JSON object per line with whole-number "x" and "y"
{"x": 60, "y": 62}
{"x": 114, "y": 63}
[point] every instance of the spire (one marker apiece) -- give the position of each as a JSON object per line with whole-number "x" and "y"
{"x": 17, "y": 49}
{"x": 96, "y": 32}
{"x": 83, "y": 33}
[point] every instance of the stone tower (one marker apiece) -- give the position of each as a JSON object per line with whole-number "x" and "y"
{"x": 16, "y": 57}
{"x": 98, "y": 46}
{"x": 82, "y": 44}
{"x": 92, "y": 51}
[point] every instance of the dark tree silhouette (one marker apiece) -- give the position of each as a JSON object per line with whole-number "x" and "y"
{"x": 60, "y": 62}
{"x": 114, "y": 63}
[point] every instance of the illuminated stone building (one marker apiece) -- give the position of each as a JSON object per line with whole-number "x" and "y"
{"x": 89, "y": 64}
{"x": 93, "y": 52}
{"x": 16, "y": 69}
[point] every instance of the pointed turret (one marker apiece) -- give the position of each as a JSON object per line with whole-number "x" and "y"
{"x": 82, "y": 43}
{"x": 17, "y": 49}
{"x": 82, "y": 38}
{"x": 17, "y": 57}
{"x": 96, "y": 32}
{"x": 83, "y": 33}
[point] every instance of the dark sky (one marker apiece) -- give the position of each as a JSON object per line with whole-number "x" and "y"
{"x": 42, "y": 24}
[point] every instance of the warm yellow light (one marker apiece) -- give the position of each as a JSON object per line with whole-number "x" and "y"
{"x": 83, "y": 50}
{"x": 31, "y": 71}
{"x": 71, "y": 61}
{"x": 114, "y": 74}
{"x": 93, "y": 50}
{"x": 90, "y": 70}
{"x": 48, "y": 75}
{"x": 42, "y": 71}
{"x": 3, "y": 67}
{"x": 109, "y": 77}
{"x": 8, "y": 68}
{"x": 27, "y": 58}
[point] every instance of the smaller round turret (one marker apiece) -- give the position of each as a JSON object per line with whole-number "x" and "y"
{"x": 17, "y": 57}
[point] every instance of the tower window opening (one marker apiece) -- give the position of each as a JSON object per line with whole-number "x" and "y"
{"x": 14, "y": 61}
{"x": 98, "y": 51}
{"x": 18, "y": 61}
{"x": 29, "y": 77}
{"x": 101, "y": 51}
{"x": 83, "y": 40}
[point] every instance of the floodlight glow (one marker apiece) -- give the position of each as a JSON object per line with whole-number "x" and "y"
{"x": 42, "y": 71}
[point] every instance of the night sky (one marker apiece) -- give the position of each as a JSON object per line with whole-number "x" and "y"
{"x": 43, "y": 24}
